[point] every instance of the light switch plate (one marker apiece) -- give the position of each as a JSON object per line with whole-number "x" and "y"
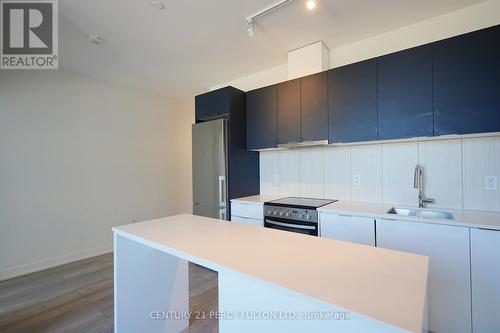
{"x": 490, "y": 183}
{"x": 356, "y": 180}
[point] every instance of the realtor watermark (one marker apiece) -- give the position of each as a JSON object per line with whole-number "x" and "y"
{"x": 29, "y": 34}
{"x": 250, "y": 315}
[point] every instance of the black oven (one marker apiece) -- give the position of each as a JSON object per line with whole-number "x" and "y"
{"x": 294, "y": 214}
{"x": 307, "y": 228}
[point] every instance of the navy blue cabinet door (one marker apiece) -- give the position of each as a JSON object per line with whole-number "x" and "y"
{"x": 289, "y": 111}
{"x": 352, "y": 102}
{"x": 405, "y": 107}
{"x": 212, "y": 104}
{"x": 467, "y": 83}
{"x": 314, "y": 107}
{"x": 261, "y": 118}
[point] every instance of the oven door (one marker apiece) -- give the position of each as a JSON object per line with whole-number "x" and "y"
{"x": 291, "y": 225}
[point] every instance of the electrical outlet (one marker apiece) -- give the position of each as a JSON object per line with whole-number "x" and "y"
{"x": 490, "y": 183}
{"x": 276, "y": 179}
{"x": 356, "y": 180}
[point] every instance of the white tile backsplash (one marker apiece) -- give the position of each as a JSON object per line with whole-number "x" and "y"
{"x": 398, "y": 164}
{"x": 481, "y": 159}
{"x": 337, "y": 173}
{"x": 311, "y": 172}
{"x": 454, "y": 172}
{"x": 366, "y": 163}
{"x": 288, "y": 171}
{"x": 268, "y": 171}
{"x": 442, "y": 164}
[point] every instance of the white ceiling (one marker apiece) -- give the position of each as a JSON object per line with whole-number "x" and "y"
{"x": 195, "y": 44}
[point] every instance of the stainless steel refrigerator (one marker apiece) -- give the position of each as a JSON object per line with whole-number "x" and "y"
{"x": 210, "y": 174}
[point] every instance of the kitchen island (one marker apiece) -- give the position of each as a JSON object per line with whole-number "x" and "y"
{"x": 269, "y": 280}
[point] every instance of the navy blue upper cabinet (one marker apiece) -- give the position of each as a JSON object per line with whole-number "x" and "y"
{"x": 352, "y": 102}
{"x": 314, "y": 107}
{"x": 212, "y": 104}
{"x": 467, "y": 83}
{"x": 405, "y": 107}
{"x": 289, "y": 111}
{"x": 261, "y": 118}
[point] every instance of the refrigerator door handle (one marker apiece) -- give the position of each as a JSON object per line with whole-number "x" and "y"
{"x": 222, "y": 214}
{"x": 222, "y": 194}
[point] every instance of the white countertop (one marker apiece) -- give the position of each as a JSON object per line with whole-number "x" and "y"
{"x": 464, "y": 218}
{"x": 258, "y": 199}
{"x": 386, "y": 285}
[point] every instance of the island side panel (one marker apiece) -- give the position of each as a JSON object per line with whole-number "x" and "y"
{"x": 246, "y": 306}
{"x": 150, "y": 286}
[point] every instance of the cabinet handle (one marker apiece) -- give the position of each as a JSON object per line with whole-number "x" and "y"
{"x": 222, "y": 214}
{"x": 243, "y": 217}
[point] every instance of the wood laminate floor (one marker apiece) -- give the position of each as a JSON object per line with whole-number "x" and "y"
{"x": 78, "y": 297}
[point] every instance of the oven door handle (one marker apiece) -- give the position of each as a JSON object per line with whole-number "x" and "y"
{"x": 288, "y": 225}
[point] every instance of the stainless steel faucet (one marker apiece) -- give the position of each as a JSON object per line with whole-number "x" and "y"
{"x": 418, "y": 182}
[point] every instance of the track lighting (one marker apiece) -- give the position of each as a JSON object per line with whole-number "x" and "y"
{"x": 250, "y": 28}
{"x": 252, "y": 18}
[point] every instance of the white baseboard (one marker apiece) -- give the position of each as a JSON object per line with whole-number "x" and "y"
{"x": 15, "y": 271}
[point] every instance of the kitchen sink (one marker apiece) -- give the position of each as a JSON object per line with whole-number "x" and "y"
{"x": 421, "y": 213}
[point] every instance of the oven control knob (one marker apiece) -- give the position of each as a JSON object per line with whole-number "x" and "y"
{"x": 308, "y": 217}
{"x": 275, "y": 212}
{"x": 288, "y": 214}
{"x": 281, "y": 213}
{"x": 269, "y": 212}
{"x": 301, "y": 216}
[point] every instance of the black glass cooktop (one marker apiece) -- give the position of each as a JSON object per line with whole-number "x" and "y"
{"x": 309, "y": 203}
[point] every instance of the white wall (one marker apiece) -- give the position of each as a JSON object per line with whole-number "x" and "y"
{"x": 257, "y": 80}
{"x": 454, "y": 172}
{"x": 79, "y": 156}
{"x": 465, "y": 20}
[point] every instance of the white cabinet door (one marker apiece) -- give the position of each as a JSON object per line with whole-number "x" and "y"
{"x": 251, "y": 211}
{"x": 485, "y": 260}
{"x": 244, "y": 220}
{"x": 449, "y": 286}
{"x": 348, "y": 228}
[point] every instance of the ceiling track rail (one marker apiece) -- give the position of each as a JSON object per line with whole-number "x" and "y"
{"x": 252, "y": 18}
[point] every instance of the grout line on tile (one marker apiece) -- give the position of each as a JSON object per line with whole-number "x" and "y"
{"x": 323, "y": 170}
{"x": 462, "y": 170}
{"x": 381, "y": 174}
{"x": 350, "y": 173}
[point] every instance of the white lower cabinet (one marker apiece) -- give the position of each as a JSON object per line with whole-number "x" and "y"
{"x": 246, "y": 220}
{"x": 248, "y": 210}
{"x": 352, "y": 229}
{"x": 247, "y": 213}
{"x": 485, "y": 260}
{"x": 449, "y": 286}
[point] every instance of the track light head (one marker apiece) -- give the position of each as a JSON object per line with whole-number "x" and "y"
{"x": 250, "y": 28}
{"x": 252, "y": 18}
